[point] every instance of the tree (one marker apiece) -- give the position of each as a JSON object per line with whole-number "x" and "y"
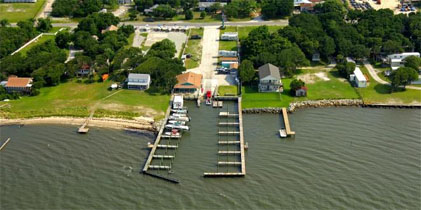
{"x": 44, "y": 24}
{"x": 291, "y": 58}
{"x": 215, "y": 7}
{"x": 328, "y": 46}
{"x": 240, "y": 8}
{"x": 277, "y": 8}
{"x": 203, "y": 14}
{"x": 246, "y": 71}
{"x": 402, "y": 77}
{"x": 133, "y": 15}
{"x": 295, "y": 85}
{"x": 141, "y": 5}
{"x": 345, "y": 69}
{"x": 62, "y": 39}
{"x": 189, "y": 14}
{"x": 4, "y": 23}
{"x": 164, "y": 49}
{"x": 413, "y": 62}
{"x": 164, "y": 11}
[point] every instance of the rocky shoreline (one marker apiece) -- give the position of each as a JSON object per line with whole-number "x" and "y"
{"x": 306, "y": 104}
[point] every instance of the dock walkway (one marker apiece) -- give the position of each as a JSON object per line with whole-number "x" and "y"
{"x": 286, "y": 122}
{"x": 230, "y": 125}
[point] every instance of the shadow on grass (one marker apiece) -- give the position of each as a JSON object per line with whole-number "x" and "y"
{"x": 384, "y": 89}
{"x": 335, "y": 74}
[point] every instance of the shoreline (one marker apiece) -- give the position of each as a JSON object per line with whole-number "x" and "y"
{"x": 114, "y": 123}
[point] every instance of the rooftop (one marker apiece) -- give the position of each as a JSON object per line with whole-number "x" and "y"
{"x": 269, "y": 69}
{"x": 19, "y": 82}
{"x": 189, "y": 80}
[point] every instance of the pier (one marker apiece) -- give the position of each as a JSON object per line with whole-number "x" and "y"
{"x": 4, "y": 144}
{"x": 231, "y": 139}
{"x": 84, "y": 128}
{"x": 287, "y": 131}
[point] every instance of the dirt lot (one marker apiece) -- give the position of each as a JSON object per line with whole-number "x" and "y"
{"x": 177, "y": 37}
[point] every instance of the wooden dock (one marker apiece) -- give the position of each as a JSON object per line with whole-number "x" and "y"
{"x": 4, "y": 144}
{"x": 217, "y": 104}
{"x": 157, "y": 141}
{"x": 240, "y": 134}
{"x": 286, "y": 122}
{"x": 84, "y": 128}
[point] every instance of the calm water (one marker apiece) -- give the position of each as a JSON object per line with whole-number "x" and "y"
{"x": 341, "y": 158}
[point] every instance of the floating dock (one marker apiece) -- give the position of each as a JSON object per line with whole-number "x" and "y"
{"x": 217, "y": 104}
{"x": 286, "y": 122}
{"x": 234, "y": 128}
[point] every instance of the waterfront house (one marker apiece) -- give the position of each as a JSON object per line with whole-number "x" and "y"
{"x": 316, "y": 57}
{"x": 269, "y": 78}
{"x": 227, "y": 53}
{"x": 301, "y": 92}
{"x": 84, "y": 70}
{"x": 138, "y": 81}
{"x": 18, "y": 84}
{"x": 189, "y": 82}
{"x": 229, "y": 36}
{"x": 358, "y": 78}
{"x": 398, "y": 60}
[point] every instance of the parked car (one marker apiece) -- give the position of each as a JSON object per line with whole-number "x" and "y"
{"x": 195, "y": 36}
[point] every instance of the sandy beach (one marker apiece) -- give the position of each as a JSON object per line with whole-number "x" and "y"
{"x": 140, "y": 124}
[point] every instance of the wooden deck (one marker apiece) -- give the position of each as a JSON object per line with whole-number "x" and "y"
{"x": 286, "y": 122}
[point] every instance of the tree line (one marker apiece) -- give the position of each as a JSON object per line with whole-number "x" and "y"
{"x": 80, "y": 8}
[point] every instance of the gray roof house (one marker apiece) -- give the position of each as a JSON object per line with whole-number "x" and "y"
{"x": 138, "y": 81}
{"x": 269, "y": 78}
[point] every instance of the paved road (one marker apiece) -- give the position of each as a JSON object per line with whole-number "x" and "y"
{"x": 376, "y": 77}
{"x": 48, "y": 8}
{"x": 181, "y": 23}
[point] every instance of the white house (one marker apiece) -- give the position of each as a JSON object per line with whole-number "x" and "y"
{"x": 358, "y": 78}
{"x": 204, "y": 5}
{"x": 138, "y": 81}
{"x": 229, "y": 36}
{"x": 397, "y": 60}
{"x": 269, "y": 78}
{"x": 226, "y": 53}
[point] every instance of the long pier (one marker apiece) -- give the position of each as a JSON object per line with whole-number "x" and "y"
{"x": 240, "y": 142}
{"x": 4, "y": 144}
{"x": 286, "y": 122}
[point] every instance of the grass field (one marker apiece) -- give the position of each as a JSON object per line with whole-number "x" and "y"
{"x": 130, "y": 41}
{"x": 15, "y": 12}
{"x": 227, "y": 90}
{"x": 379, "y": 93}
{"x": 245, "y": 30}
{"x": 77, "y": 99}
{"x": 194, "y": 48}
{"x": 318, "y": 89}
{"x": 41, "y": 40}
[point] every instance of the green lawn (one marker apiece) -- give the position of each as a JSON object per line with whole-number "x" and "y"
{"x": 379, "y": 93}
{"x": 130, "y": 40}
{"x": 77, "y": 99}
{"x": 243, "y": 31}
{"x": 334, "y": 88}
{"x": 227, "y": 90}
{"x": 15, "y": 12}
{"x": 194, "y": 47}
{"x": 41, "y": 40}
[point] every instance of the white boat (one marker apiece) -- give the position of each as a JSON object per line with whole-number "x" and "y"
{"x": 171, "y": 135}
{"x": 178, "y": 115}
{"x": 179, "y": 127}
{"x": 186, "y": 119}
{"x": 283, "y": 133}
{"x": 179, "y": 111}
{"x": 176, "y": 122}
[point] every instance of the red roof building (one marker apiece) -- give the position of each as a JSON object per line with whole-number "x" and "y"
{"x": 19, "y": 84}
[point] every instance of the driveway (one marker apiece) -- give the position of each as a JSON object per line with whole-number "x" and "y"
{"x": 138, "y": 39}
{"x": 121, "y": 10}
{"x": 376, "y": 77}
{"x": 46, "y": 11}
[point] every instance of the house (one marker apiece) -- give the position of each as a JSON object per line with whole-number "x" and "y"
{"x": 229, "y": 36}
{"x": 205, "y": 5}
{"x": 18, "y": 84}
{"x": 110, "y": 28}
{"x": 150, "y": 10}
{"x": 301, "y": 92}
{"x": 124, "y": 1}
{"x": 19, "y": 1}
{"x": 316, "y": 57}
{"x": 269, "y": 78}
{"x": 84, "y": 70}
{"x": 138, "y": 81}
{"x": 358, "y": 78}
{"x": 305, "y": 5}
{"x": 397, "y": 60}
{"x": 226, "y": 53}
{"x": 188, "y": 83}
